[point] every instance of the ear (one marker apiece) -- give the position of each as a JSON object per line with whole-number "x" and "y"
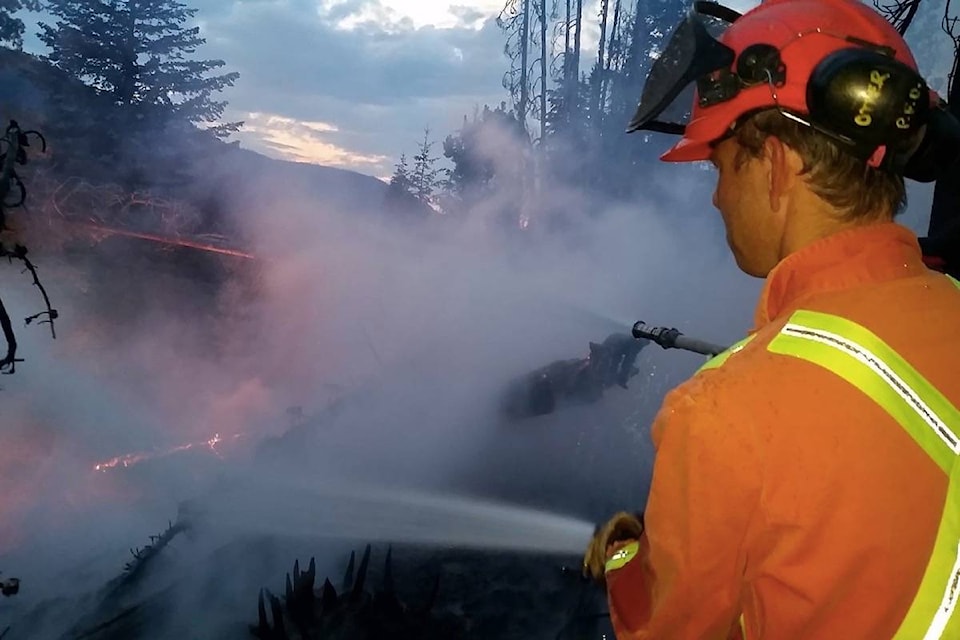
{"x": 784, "y": 166}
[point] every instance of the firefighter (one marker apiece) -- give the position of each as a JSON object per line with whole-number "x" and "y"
{"x": 806, "y": 483}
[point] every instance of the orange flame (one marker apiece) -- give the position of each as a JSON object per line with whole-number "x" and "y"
{"x": 130, "y": 459}
{"x": 177, "y": 242}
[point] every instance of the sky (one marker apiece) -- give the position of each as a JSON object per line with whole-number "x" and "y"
{"x": 354, "y": 83}
{"x": 365, "y": 79}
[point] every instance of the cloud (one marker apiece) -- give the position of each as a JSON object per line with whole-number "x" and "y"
{"x": 379, "y": 70}
{"x": 365, "y": 66}
{"x": 401, "y": 15}
{"x": 302, "y": 141}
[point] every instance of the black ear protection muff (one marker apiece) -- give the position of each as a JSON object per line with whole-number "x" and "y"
{"x": 870, "y": 100}
{"x": 864, "y": 98}
{"x": 861, "y": 96}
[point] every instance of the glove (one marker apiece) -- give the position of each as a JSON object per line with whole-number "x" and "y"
{"x": 619, "y": 531}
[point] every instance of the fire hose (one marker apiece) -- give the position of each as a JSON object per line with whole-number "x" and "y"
{"x": 673, "y": 339}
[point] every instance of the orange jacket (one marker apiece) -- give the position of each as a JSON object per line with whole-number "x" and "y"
{"x": 780, "y": 491}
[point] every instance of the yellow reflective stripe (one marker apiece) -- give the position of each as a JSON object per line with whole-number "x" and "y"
{"x": 743, "y": 627}
{"x": 940, "y": 589}
{"x": 720, "y": 358}
{"x": 933, "y": 614}
{"x": 862, "y": 359}
{"x": 621, "y": 557}
{"x": 858, "y": 356}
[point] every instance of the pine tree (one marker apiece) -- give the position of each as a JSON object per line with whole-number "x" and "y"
{"x": 400, "y": 181}
{"x": 400, "y": 200}
{"x": 11, "y": 28}
{"x": 138, "y": 52}
{"x": 425, "y": 179}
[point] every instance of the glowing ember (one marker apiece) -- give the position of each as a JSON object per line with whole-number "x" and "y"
{"x": 178, "y": 242}
{"x": 130, "y": 459}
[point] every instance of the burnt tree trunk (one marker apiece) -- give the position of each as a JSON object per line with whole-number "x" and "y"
{"x": 524, "y": 49}
{"x": 946, "y": 194}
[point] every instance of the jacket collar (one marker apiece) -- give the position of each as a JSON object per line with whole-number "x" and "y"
{"x": 861, "y": 255}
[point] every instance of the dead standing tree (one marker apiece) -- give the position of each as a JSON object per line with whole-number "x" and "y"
{"x": 943, "y": 233}
{"x": 13, "y": 193}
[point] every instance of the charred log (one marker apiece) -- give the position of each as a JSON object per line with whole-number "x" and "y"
{"x": 573, "y": 381}
{"x": 114, "y": 616}
{"x": 10, "y": 587}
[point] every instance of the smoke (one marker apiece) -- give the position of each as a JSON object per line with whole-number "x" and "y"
{"x": 357, "y": 352}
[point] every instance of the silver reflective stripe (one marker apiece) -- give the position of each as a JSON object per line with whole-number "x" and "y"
{"x": 878, "y": 366}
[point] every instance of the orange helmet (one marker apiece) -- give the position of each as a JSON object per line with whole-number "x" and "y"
{"x": 836, "y": 66}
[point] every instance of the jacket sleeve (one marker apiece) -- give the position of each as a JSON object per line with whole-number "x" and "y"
{"x": 685, "y": 580}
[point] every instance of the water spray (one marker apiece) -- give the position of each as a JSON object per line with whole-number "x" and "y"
{"x": 349, "y": 511}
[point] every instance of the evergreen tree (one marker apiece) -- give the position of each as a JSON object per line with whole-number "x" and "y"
{"x": 487, "y": 156}
{"x": 139, "y": 53}
{"x": 401, "y": 182}
{"x": 425, "y": 179}
{"x": 11, "y": 28}
{"x": 469, "y": 178}
{"x": 400, "y": 199}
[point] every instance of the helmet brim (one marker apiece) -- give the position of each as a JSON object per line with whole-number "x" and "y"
{"x": 687, "y": 150}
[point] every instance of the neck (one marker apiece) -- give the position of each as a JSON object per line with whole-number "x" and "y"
{"x": 809, "y": 219}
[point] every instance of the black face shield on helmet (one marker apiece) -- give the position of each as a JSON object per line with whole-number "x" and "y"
{"x": 690, "y": 56}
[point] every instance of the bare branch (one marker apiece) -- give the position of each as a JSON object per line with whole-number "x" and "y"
{"x": 15, "y": 142}
{"x": 949, "y": 26}
{"x": 899, "y": 13}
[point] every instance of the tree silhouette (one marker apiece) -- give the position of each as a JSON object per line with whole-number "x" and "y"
{"x": 139, "y": 53}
